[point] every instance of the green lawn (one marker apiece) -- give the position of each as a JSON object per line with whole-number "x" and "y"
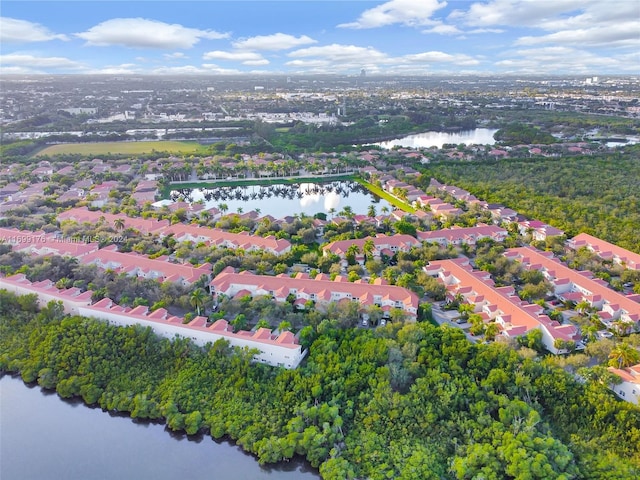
{"x": 101, "y": 148}
{"x": 396, "y": 202}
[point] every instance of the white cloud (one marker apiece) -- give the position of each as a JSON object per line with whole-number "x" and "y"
{"x": 443, "y": 29}
{"x": 341, "y": 53}
{"x": 145, "y": 33}
{"x": 441, "y": 57}
{"x": 277, "y": 41}
{"x": 570, "y": 22}
{"x": 516, "y": 12}
{"x": 19, "y": 71}
{"x": 624, "y": 35}
{"x": 175, "y": 56}
{"x": 32, "y": 61}
{"x": 545, "y": 60}
{"x": 405, "y": 12}
{"x": 13, "y": 30}
{"x": 247, "y": 58}
{"x": 256, "y": 63}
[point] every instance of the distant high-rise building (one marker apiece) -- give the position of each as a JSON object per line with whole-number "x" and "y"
{"x": 363, "y": 73}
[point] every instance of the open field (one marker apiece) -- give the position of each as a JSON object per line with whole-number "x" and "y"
{"x": 125, "y": 148}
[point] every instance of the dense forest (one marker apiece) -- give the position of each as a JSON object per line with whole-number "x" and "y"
{"x": 405, "y": 401}
{"x": 599, "y": 195}
{"x": 519, "y": 134}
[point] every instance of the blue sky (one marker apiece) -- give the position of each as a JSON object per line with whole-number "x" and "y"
{"x": 585, "y": 37}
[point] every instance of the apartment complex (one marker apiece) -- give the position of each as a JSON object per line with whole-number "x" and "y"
{"x": 502, "y": 305}
{"x": 321, "y": 290}
{"x": 577, "y": 286}
{"x": 606, "y": 250}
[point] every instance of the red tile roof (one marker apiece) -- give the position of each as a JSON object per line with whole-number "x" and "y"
{"x": 606, "y": 250}
{"x": 108, "y": 258}
{"x": 532, "y": 258}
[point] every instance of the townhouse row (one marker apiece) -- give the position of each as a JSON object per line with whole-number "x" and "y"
{"x": 577, "y": 286}
{"x": 389, "y": 245}
{"x": 321, "y": 290}
{"x": 277, "y": 350}
{"x": 181, "y": 232}
{"x": 501, "y": 305}
{"x": 606, "y": 250}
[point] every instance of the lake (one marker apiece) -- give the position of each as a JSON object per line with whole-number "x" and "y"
{"x": 45, "y": 437}
{"x": 287, "y": 199}
{"x": 477, "y": 136}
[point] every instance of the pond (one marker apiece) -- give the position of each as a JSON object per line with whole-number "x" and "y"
{"x": 287, "y": 199}
{"x": 44, "y": 437}
{"x": 477, "y": 136}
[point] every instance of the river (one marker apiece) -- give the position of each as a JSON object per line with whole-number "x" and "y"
{"x": 43, "y": 437}
{"x": 477, "y": 136}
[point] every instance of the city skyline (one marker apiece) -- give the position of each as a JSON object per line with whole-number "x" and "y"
{"x": 396, "y": 37}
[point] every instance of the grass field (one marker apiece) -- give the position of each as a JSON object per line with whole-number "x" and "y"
{"x": 396, "y": 202}
{"x": 124, "y": 148}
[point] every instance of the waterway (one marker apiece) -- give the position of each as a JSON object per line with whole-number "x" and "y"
{"x": 44, "y": 437}
{"x": 477, "y": 136}
{"x": 287, "y": 199}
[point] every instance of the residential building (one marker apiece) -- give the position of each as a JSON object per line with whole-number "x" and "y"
{"x": 320, "y": 290}
{"x": 84, "y": 215}
{"x": 72, "y": 298}
{"x": 502, "y": 305}
{"x": 383, "y": 245}
{"x": 539, "y": 231}
{"x": 466, "y": 235}
{"x": 277, "y": 350}
{"x": 577, "y": 286}
{"x": 606, "y": 250}
{"x": 40, "y": 243}
{"x": 629, "y": 387}
{"x": 160, "y": 269}
{"x": 221, "y": 238}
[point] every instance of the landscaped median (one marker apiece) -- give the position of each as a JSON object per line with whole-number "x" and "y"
{"x": 395, "y": 201}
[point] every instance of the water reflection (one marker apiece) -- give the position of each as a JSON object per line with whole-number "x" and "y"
{"x": 44, "y": 437}
{"x": 477, "y": 136}
{"x": 283, "y": 199}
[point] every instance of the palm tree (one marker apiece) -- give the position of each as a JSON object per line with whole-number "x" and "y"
{"x": 347, "y": 211}
{"x": 332, "y": 211}
{"x": 371, "y": 211}
{"x": 223, "y": 207}
{"x": 368, "y": 248}
{"x": 118, "y": 224}
{"x": 351, "y": 253}
{"x": 623, "y": 355}
{"x": 262, "y": 323}
{"x": 583, "y": 306}
{"x": 197, "y": 299}
{"x": 385, "y": 209}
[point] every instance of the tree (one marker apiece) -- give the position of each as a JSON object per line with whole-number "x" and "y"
{"x": 284, "y": 326}
{"x": 347, "y": 212}
{"x": 351, "y": 253}
{"x": 118, "y": 224}
{"x": 371, "y": 211}
{"x": 263, "y": 323}
{"x": 368, "y": 248}
{"x": 239, "y": 322}
{"x": 623, "y": 355}
{"x": 466, "y": 309}
{"x": 198, "y": 298}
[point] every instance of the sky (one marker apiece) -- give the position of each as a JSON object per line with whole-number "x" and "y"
{"x": 395, "y": 37}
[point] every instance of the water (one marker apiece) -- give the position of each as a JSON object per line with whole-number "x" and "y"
{"x": 281, "y": 200}
{"x": 43, "y": 437}
{"x": 477, "y": 136}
